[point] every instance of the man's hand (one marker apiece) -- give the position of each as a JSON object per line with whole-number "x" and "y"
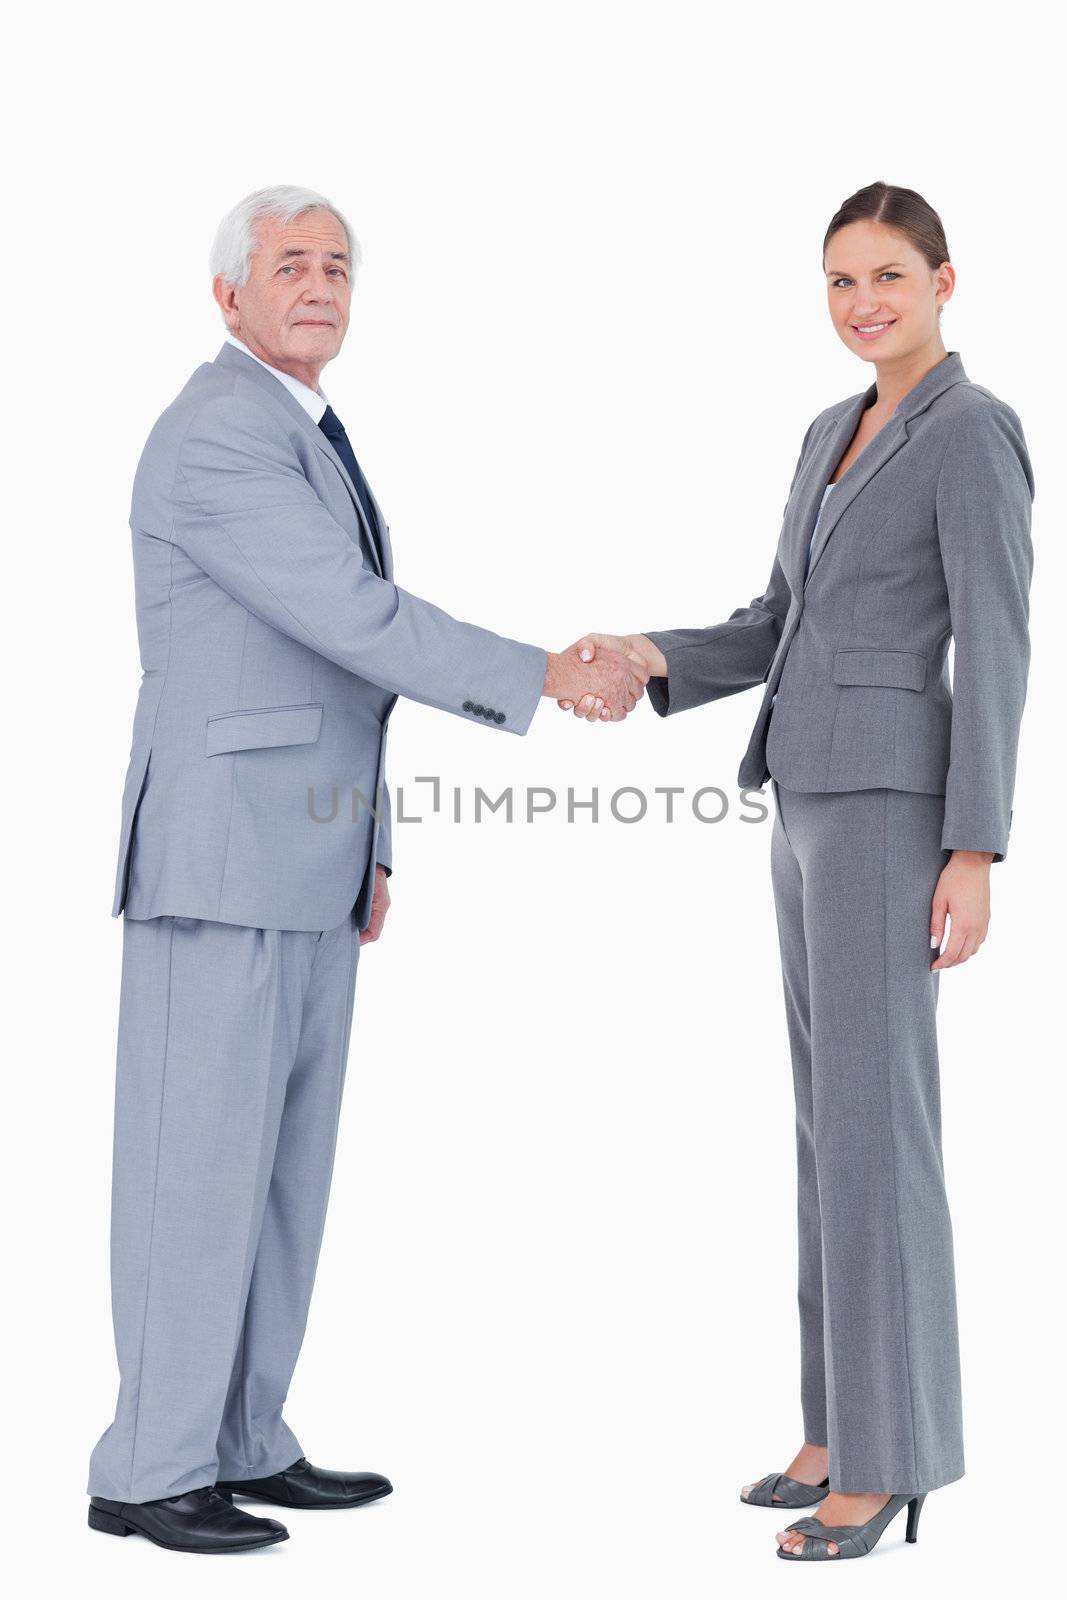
{"x": 962, "y": 895}
{"x": 601, "y": 690}
{"x": 378, "y": 909}
{"x": 643, "y": 655}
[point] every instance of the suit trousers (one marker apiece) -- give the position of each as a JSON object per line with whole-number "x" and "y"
{"x": 853, "y": 877}
{"x": 232, "y": 1047}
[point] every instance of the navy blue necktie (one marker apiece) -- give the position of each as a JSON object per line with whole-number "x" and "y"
{"x": 333, "y": 428}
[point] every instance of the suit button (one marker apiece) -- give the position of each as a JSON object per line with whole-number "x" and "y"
{"x": 468, "y": 705}
{"x": 500, "y": 717}
{"x": 479, "y": 711}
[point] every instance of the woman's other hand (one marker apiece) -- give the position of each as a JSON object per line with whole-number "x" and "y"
{"x": 962, "y": 895}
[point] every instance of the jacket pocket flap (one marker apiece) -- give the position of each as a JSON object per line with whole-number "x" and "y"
{"x": 261, "y": 728}
{"x": 883, "y": 669}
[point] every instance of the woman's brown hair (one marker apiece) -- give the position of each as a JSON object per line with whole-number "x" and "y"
{"x": 898, "y": 208}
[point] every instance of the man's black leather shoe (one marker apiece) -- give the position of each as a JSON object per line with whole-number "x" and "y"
{"x": 311, "y": 1488}
{"x": 201, "y": 1521}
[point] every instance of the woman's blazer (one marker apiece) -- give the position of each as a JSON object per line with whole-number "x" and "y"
{"x": 926, "y": 537}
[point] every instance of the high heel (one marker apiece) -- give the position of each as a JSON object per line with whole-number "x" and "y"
{"x": 852, "y": 1539}
{"x": 794, "y": 1493}
{"x": 914, "y": 1507}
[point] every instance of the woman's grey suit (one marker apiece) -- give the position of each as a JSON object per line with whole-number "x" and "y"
{"x": 881, "y": 767}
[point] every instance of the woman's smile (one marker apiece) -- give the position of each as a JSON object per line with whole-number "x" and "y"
{"x": 872, "y": 330}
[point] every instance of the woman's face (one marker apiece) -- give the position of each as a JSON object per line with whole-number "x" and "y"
{"x": 883, "y": 297}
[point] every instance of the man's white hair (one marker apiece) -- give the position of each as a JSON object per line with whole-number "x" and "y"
{"x": 235, "y": 241}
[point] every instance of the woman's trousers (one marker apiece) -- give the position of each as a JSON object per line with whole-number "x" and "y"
{"x": 854, "y": 877}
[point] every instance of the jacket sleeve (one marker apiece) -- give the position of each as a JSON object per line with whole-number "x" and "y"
{"x": 705, "y": 664}
{"x": 985, "y": 491}
{"x": 247, "y": 516}
{"x": 384, "y": 853}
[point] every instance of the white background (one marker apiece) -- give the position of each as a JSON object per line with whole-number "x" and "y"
{"x": 556, "y": 1301}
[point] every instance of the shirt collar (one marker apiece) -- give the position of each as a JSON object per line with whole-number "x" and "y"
{"x": 313, "y": 401}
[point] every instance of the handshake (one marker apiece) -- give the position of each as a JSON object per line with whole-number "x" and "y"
{"x": 603, "y": 675}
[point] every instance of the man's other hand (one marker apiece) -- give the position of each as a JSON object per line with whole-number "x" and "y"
{"x": 379, "y": 907}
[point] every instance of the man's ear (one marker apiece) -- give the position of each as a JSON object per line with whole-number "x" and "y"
{"x": 226, "y": 298}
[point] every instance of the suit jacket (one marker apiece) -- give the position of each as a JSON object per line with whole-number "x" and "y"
{"x": 926, "y": 537}
{"x": 274, "y": 644}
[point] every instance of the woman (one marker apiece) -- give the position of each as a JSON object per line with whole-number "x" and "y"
{"x": 908, "y": 522}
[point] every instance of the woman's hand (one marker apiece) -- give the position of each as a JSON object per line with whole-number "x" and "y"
{"x": 962, "y": 895}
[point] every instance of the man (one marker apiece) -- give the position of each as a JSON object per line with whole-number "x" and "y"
{"x": 274, "y": 644}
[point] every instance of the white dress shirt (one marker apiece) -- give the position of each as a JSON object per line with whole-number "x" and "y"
{"x": 313, "y": 401}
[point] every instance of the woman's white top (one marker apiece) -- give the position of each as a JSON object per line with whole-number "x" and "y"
{"x": 818, "y": 519}
{"x": 811, "y": 541}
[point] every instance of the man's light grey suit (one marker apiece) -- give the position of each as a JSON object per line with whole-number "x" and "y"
{"x": 880, "y": 768}
{"x": 274, "y": 647}
{"x": 274, "y": 644}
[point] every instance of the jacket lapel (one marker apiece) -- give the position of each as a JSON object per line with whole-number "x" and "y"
{"x": 230, "y": 356}
{"x": 386, "y": 550}
{"x": 891, "y": 436}
{"x": 331, "y": 454}
{"x": 808, "y": 492}
{"x": 882, "y": 448}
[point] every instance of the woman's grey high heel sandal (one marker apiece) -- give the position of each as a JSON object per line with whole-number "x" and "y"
{"x": 854, "y": 1539}
{"x": 794, "y": 1493}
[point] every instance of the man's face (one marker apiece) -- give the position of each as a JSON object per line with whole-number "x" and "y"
{"x": 293, "y": 311}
